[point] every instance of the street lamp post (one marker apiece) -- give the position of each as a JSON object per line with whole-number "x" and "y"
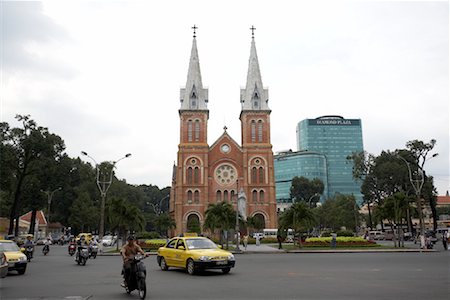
{"x": 158, "y": 209}
{"x": 417, "y": 183}
{"x": 49, "y": 202}
{"x": 103, "y": 183}
{"x": 310, "y": 198}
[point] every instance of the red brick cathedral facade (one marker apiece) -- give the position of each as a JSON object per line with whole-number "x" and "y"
{"x": 208, "y": 174}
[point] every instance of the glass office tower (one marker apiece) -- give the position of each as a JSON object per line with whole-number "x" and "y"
{"x": 335, "y": 138}
{"x": 289, "y": 164}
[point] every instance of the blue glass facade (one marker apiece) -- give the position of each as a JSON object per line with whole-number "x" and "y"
{"x": 335, "y": 138}
{"x": 290, "y": 164}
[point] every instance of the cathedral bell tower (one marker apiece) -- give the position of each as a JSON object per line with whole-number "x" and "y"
{"x": 256, "y": 146}
{"x": 190, "y": 186}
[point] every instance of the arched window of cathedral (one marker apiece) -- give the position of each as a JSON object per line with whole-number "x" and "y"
{"x": 197, "y": 130}
{"x": 261, "y": 196}
{"x": 255, "y": 196}
{"x": 254, "y": 175}
{"x": 253, "y": 128}
{"x": 196, "y": 197}
{"x": 189, "y": 124}
{"x": 260, "y": 131}
{"x": 189, "y": 175}
{"x": 219, "y": 196}
{"x": 232, "y": 195}
{"x": 261, "y": 175}
{"x": 189, "y": 196}
{"x": 196, "y": 175}
{"x": 225, "y": 195}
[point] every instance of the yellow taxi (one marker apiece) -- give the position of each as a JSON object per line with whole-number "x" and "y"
{"x": 16, "y": 259}
{"x": 87, "y": 237}
{"x": 194, "y": 253}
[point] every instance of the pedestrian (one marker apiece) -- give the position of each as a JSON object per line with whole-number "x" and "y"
{"x": 245, "y": 241}
{"x": 333, "y": 240}
{"x": 444, "y": 240}
{"x": 257, "y": 239}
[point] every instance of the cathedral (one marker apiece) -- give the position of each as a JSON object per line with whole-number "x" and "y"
{"x": 207, "y": 174}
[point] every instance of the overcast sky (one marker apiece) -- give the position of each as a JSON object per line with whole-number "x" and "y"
{"x": 106, "y": 75}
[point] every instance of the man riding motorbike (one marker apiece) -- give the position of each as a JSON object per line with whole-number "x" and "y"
{"x": 29, "y": 247}
{"x": 46, "y": 248}
{"x": 81, "y": 243}
{"x": 128, "y": 251}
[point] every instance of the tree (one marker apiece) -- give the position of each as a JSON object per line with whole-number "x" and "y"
{"x": 124, "y": 217}
{"x": 363, "y": 163}
{"x": 28, "y": 150}
{"x": 83, "y": 213}
{"x": 219, "y": 216}
{"x": 164, "y": 222}
{"x": 342, "y": 211}
{"x": 303, "y": 189}
{"x": 299, "y": 217}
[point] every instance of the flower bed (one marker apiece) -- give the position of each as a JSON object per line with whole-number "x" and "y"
{"x": 151, "y": 245}
{"x": 341, "y": 241}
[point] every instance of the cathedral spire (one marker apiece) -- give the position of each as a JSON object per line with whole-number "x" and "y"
{"x": 194, "y": 96}
{"x": 254, "y": 96}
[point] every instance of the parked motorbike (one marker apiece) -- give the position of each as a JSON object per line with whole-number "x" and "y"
{"x": 29, "y": 252}
{"x": 82, "y": 256}
{"x": 93, "y": 250}
{"x": 138, "y": 273}
{"x": 46, "y": 249}
{"x": 72, "y": 248}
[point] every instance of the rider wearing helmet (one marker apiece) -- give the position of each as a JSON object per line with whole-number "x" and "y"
{"x": 128, "y": 251}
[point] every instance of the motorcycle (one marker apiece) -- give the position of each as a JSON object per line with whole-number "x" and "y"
{"x": 29, "y": 252}
{"x": 93, "y": 250}
{"x": 46, "y": 249}
{"x": 82, "y": 256}
{"x": 136, "y": 280}
{"x": 72, "y": 248}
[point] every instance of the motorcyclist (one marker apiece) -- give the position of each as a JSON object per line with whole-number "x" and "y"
{"x": 47, "y": 243}
{"x": 128, "y": 251}
{"x": 81, "y": 243}
{"x": 29, "y": 244}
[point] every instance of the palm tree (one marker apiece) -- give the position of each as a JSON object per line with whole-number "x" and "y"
{"x": 124, "y": 217}
{"x": 164, "y": 222}
{"x": 298, "y": 217}
{"x": 219, "y": 216}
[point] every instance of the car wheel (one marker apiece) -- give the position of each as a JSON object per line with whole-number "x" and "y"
{"x": 190, "y": 267}
{"x": 226, "y": 270}
{"x": 163, "y": 264}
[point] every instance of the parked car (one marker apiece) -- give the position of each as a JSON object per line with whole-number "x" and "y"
{"x": 376, "y": 235}
{"x": 109, "y": 240}
{"x": 3, "y": 265}
{"x": 194, "y": 254}
{"x": 17, "y": 261}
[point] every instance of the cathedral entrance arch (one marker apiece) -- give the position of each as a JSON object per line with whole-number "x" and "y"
{"x": 193, "y": 223}
{"x": 259, "y": 221}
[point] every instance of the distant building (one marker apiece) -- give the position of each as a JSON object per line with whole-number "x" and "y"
{"x": 289, "y": 164}
{"x": 335, "y": 138}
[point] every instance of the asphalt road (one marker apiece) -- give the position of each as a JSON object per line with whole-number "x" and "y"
{"x": 256, "y": 276}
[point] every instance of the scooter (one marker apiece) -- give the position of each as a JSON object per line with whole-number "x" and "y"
{"x": 72, "y": 248}
{"x": 82, "y": 256}
{"x": 46, "y": 249}
{"x": 138, "y": 273}
{"x": 29, "y": 252}
{"x": 93, "y": 250}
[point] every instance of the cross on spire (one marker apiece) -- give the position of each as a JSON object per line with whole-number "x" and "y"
{"x": 253, "y": 28}
{"x": 194, "y": 28}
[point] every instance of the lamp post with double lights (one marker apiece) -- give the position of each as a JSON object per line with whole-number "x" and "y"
{"x": 104, "y": 180}
{"x": 49, "y": 202}
{"x": 417, "y": 179}
{"x": 310, "y": 198}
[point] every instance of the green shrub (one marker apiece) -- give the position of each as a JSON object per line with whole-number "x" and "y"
{"x": 148, "y": 235}
{"x": 326, "y": 234}
{"x": 341, "y": 241}
{"x": 345, "y": 233}
{"x": 152, "y": 244}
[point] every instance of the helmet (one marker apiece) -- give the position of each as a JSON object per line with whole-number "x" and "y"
{"x": 130, "y": 238}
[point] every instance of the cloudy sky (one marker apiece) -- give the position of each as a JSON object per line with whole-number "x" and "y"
{"x": 106, "y": 75}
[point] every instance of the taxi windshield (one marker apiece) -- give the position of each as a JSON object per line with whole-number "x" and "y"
{"x": 200, "y": 244}
{"x": 8, "y": 247}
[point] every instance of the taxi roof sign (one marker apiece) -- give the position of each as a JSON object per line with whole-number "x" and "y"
{"x": 190, "y": 234}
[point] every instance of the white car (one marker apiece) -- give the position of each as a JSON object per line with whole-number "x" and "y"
{"x": 109, "y": 240}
